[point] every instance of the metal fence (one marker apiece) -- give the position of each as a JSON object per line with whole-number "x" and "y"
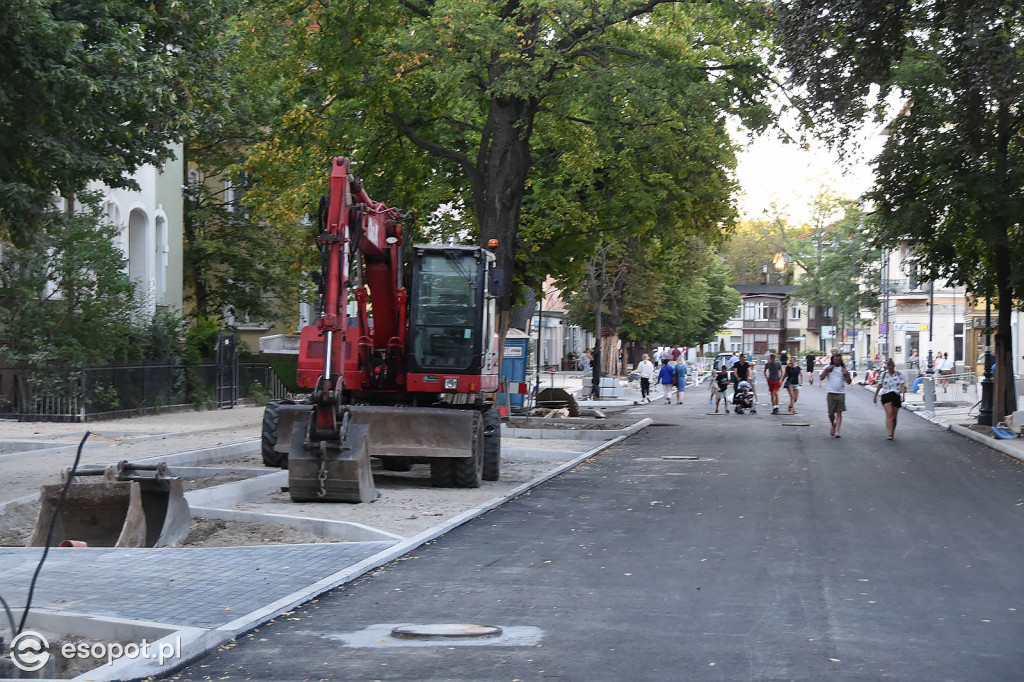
{"x": 955, "y": 390}
{"x": 87, "y": 393}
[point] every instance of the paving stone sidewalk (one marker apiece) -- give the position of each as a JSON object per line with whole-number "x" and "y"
{"x": 198, "y": 587}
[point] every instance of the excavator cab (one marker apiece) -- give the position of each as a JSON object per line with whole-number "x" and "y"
{"x": 452, "y": 335}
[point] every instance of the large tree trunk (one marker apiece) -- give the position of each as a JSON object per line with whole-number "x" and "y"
{"x": 521, "y": 313}
{"x": 1004, "y": 400}
{"x": 500, "y": 181}
{"x": 610, "y": 354}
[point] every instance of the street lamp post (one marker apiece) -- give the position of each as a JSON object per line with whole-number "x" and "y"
{"x": 985, "y": 412}
{"x": 931, "y": 324}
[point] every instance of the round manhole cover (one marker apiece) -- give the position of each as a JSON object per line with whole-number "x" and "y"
{"x": 445, "y": 631}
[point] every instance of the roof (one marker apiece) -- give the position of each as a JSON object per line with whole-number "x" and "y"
{"x": 764, "y": 289}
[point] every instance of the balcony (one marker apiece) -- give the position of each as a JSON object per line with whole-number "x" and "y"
{"x": 762, "y": 324}
{"x": 906, "y": 285}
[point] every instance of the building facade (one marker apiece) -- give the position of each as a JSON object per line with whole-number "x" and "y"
{"x": 920, "y": 316}
{"x": 151, "y": 228}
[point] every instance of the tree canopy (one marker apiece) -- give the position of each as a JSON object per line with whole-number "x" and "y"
{"x": 950, "y": 178}
{"x": 482, "y": 105}
{"x": 93, "y": 89}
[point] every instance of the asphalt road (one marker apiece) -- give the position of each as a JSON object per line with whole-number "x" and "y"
{"x": 779, "y": 554}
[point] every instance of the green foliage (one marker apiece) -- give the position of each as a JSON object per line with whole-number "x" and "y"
{"x": 950, "y": 179}
{"x": 161, "y": 339}
{"x": 201, "y": 339}
{"x": 598, "y": 114}
{"x": 257, "y": 393}
{"x": 233, "y": 262}
{"x": 93, "y": 89}
{"x": 64, "y": 297}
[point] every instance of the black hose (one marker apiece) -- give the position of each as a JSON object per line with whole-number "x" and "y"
{"x": 49, "y": 534}
{"x": 10, "y": 618}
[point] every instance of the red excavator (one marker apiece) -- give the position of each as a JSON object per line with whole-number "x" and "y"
{"x": 401, "y": 374}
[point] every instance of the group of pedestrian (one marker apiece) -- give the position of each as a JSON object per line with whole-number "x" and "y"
{"x": 779, "y": 372}
{"x": 740, "y": 373}
{"x": 891, "y": 385}
{"x": 671, "y": 376}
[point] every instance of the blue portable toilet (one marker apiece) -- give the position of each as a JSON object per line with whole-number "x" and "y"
{"x": 513, "y": 365}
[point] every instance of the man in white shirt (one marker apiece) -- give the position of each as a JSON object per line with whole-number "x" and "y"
{"x": 646, "y": 370}
{"x": 834, "y": 378}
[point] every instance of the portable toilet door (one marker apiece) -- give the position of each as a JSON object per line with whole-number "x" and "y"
{"x": 513, "y": 368}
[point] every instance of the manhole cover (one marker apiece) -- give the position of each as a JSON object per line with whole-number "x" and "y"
{"x": 445, "y": 631}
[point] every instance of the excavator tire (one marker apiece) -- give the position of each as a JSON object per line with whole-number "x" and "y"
{"x": 467, "y": 472}
{"x": 442, "y": 473}
{"x": 492, "y": 445}
{"x": 268, "y": 438}
{"x": 396, "y": 463}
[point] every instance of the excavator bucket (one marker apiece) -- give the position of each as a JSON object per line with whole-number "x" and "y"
{"x": 421, "y": 432}
{"x": 139, "y": 506}
{"x": 333, "y": 471}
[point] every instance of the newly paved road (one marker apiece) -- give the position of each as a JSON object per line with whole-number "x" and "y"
{"x": 779, "y": 554}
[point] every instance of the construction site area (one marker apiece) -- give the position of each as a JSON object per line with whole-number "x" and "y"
{"x": 226, "y": 547}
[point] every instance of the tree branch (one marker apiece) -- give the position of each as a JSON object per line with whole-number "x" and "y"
{"x": 433, "y": 147}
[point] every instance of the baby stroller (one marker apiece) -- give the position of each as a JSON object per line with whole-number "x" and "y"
{"x": 743, "y": 398}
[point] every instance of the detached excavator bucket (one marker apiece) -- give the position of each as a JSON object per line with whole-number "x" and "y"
{"x": 129, "y": 509}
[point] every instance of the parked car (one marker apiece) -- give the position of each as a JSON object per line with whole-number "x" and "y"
{"x": 722, "y": 357}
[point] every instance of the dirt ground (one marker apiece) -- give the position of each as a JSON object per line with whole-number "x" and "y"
{"x": 407, "y": 505}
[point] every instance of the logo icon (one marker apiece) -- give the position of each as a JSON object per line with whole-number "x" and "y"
{"x": 29, "y": 651}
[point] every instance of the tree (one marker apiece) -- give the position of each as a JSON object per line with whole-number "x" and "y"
{"x": 65, "y": 298}
{"x": 91, "y": 90}
{"x": 452, "y": 94}
{"x": 750, "y": 248}
{"x": 950, "y": 177}
{"x": 233, "y": 264}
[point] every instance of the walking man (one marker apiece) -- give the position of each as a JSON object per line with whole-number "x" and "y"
{"x": 834, "y": 378}
{"x": 740, "y": 372}
{"x": 646, "y": 370}
{"x": 810, "y": 367}
{"x": 773, "y": 373}
{"x": 893, "y": 388}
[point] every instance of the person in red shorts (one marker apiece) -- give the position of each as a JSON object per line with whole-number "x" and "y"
{"x": 773, "y": 373}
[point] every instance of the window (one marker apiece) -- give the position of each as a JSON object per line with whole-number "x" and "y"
{"x": 761, "y": 310}
{"x": 445, "y": 312}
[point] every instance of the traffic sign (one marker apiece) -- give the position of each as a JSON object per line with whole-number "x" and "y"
{"x": 883, "y": 328}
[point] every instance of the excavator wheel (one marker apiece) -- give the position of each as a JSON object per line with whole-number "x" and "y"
{"x": 442, "y": 473}
{"x": 492, "y": 445}
{"x": 467, "y": 472}
{"x": 268, "y": 438}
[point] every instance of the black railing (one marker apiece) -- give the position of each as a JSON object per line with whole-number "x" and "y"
{"x": 87, "y": 393}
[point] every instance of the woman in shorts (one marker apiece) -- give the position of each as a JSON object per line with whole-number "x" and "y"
{"x": 893, "y": 388}
{"x": 794, "y": 379}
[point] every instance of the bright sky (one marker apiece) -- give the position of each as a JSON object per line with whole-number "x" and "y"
{"x": 769, "y": 170}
